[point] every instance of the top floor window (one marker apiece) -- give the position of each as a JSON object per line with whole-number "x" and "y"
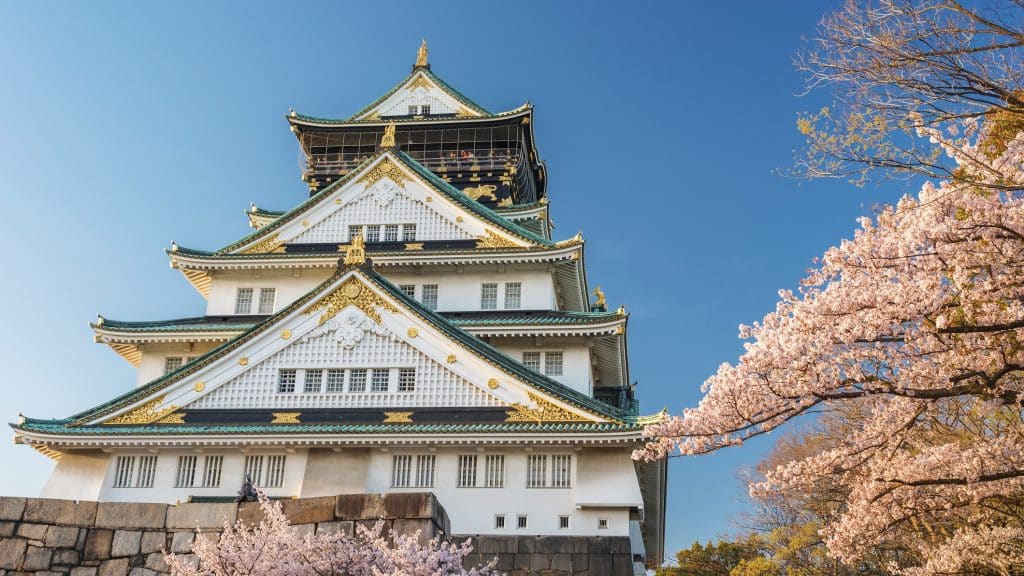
{"x": 246, "y": 297}
{"x": 513, "y": 295}
{"x": 488, "y": 296}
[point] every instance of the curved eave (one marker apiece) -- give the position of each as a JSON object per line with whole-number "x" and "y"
{"x": 301, "y": 120}
{"x": 613, "y": 327}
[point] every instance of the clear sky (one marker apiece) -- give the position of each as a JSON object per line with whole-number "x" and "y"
{"x": 124, "y": 126}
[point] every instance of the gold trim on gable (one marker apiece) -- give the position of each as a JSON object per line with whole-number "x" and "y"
{"x": 544, "y": 412}
{"x": 286, "y": 418}
{"x": 266, "y": 246}
{"x": 384, "y": 169}
{"x": 145, "y": 414}
{"x": 492, "y": 240}
{"x": 351, "y": 291}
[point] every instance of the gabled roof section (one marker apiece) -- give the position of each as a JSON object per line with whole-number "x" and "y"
{"x": 423, "y": 76}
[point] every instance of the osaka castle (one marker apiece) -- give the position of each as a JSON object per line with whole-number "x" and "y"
{"x": 413, "y": 326}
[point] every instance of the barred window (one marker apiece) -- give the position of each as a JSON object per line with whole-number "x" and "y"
{"x": 211, "y": 471}
{"x": 172, "y": 363}
{"x": 488, "y": 296}
{"x": 602, "y": 523}
{"x": 267, "y": 298}
{"x": 373, "y": 233}
{"x": 254, "y": 469}
{"x": 521, "y": 521}
{"x": 536, "y": 470}
{"x": 425, "y": 470}
{"x": 429, "y": 295}
{"x": 313, "y": 381}
{"x": 425, "y": 109}
{"x": 286, "y": 381}
{"x": 532, "y": 360}
{"x": 275, "y": 471}
{"x": 408, "y": 232}
{"x": 147, "y": 472}
{"x": 353, "y": 231}
{"x": 186, "y": 476}
{"x": 243, "y": 301}
{"x": 553, "y": 365}
{"x": 561, "y": 470}
{"x": 124, "y": 471}
{"x": 494, "y": 474}
{"x": 467, "y": 471}
{"x": 499, "y": 520}
{"x": 336, "y": 381}
{"x": 513, "y": 295}
{"x": 408, "y": 289}
{"x": 379, "y": 380}
{"x": 563, "y": 522}
{"x": 406, "y": 379}
{"x": 401, "y": 470}
{"x": 413, "y": 110}
{"x": 391, "y": 233}
{"x": 356, "y": 380}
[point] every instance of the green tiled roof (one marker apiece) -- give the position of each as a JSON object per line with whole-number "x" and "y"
{"x": 538, "y": 318}
{"x": 194, "y": 324}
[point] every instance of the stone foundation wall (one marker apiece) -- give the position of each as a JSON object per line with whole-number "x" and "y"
{"x": 49, "y": 537}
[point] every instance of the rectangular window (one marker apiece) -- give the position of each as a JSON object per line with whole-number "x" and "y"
{"x": 267, "y": 297}
{"x": 553, "y": 363}
{"x": 499, "y": 521}
{"x": 254, "y": 469}
{"x": 391, "y": 233}
{"x": 373, "y": 233}
{"x": 425, "y": 109}
{"x": 275, "y": 471}
{"x": 521, "y": 521}
{"x": 243, "y": 301}
{"x": 563, "y": 522}
{"x": 494, "y": 475}
{"x": 211, "y": 471}
{"x": 379, "y": 380}
{"x": 467, "y": 471}
{"x": 536, "y": 471}
{"x": 488, "y": 296}
{"x": 513, "y": 295}
{"x": 429, "y": 295}
{"x": 172, "y": 363}
{"x": 336, "y": 380}
{"x": 401, "y": 470}
{"x": 125, "y": 470}
{"x": 353, "y": 231}
{"x": 286, "y": 381}
{"x": 356, "y": 380}
{"x": 147, "y": 472}
{"x": 425, "y": 471}
{"x": 186, "y": 476}
{"x": 561, "y": 470}
{"x": 313, "y": 381}
{"x": 408, "y": 289}
{"x": 532, "y": 360}
{"x": 413, "y": 110}
{"x": 408, "y": 232}
{"x": 602, "y": 523}
{"x": 406, "y": 379}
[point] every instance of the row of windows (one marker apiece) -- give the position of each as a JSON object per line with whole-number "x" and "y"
{"x": 563, "y": 522}
{"x": 172, "y": 363}
{"x": 421, "y": 110}
{"x": 550, "y": 363}
{"x": 383, "y": 232}
{"x": 191, "y": 472}
{"x": 427, "y": 292}
{"x": 542, "y": 471}
{"x": 265, "y": 304}
{"x": 338, "y": 380}
{"x": 489, "y": 295}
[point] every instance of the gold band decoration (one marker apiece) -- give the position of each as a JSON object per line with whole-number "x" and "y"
{"x": 414, "y": 246}
{"x": 492, "y": 240}
{"x": 272, "y": 244}
{"x": 384, "y": 169}
{"x": 285, "y": 418}
{"x": 421, "y": 82}
{"x": 144, "y": 414}
{"x": 544, "y": 412}
{"x": 397, "y": 417}
{"x": 351, "y": 292}
{"x": 173, "y": 418}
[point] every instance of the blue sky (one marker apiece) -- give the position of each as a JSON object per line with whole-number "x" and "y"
{"x": 124, "y": 126}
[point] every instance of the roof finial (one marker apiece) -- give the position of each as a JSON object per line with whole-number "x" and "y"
{"x": 356, "y": 254}
{"x": 421, "y": 55}
{"x": 601, "y": 302}
{"x": 388, "y": 140}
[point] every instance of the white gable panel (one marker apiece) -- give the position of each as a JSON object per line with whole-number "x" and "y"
{"x": 382, "y": 204}
{"x": 436, "y": 386}
{"x": 420, "y": 91}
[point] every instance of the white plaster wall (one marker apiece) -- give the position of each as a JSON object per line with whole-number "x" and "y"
{"x": 77, "y": 476}
{"x": 329, "y": 473}
{"x": 576, "y": 367}
{"x": 154, "y": 357}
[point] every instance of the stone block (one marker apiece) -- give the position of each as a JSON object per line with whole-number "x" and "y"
{"x": 592, "y": 545}
{"x": 504, "y": 561}
{"x": 62, "y": 536}
{"x": 181, "y": 542}
{"x": 84, "y": 571}
{"x": 130, "y": 515}
{"x": 539, "y": 562}
{"x": 7, "y": 529}
{"x": 190, "y": 516}
{"x": 619, "y": 545}
{"x": 64, "y": 512}
{"x": 48, "y": 573}
{"x": 359, "y": 507}
{"x": 622, "y": 564}
{"x": 527, "y": 545}
{"x": 341, "y": 526}
{"x": 250, "y": 513}
{"x": 415, "y": 505}
{"x": 140, "y": 571}
{"x": 116, "y": 567}
{"x": 521, "y": 561}
{"x": 12, "y": 552}
{"x": 580, "y": 563}
{"x": 602, "y": 564}
{"x": 555, "y": 544}
{"x": 303, "y": 530}
{"x": 406, "y": 527}
{"x": 37, "y": 558}
{"x": 496, "y": 544}
{"x": 33, "y": 531}
{"x": 156, "y": 562}
{"x": 125, "y": 543}
{"x": 152, "y": 542}
{"x": 309, "y": 510}
{"x": 97, "y": 544}
{"x": 11, "y": 508}
{"x": 65, "y": 557}
{"x": 561, "y": 562}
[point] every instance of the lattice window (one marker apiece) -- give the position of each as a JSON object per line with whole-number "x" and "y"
{"x": 408, "y": 289}
{"x": 494, "y": 474}
{"x": 212, "y": 470}
{"x": 267, "y": 298}
{"x": 243, "y": 301}
{"x": 379, "y": 380}
{"x": 406, "y": 379}
{"x": 354, "y": 230}
{"x": 408, "y": 232}
{"x": 489, "y": 296}
{"x": 521, "y": 521}
{"x": 172, "y": 363}
{"x": 561, "y": 470}
{"x": 125, "y": 469}
{"x": 467, "y": 471}
{"x": 429, "y": 295}
{"x": 313, "y": 381}
{"x": 532, "y": 360}
{"x": 425, "y": 109}
{"x": 553, "y": 363}
{"x": 275, "y": 471}
{"x": 513, "y": 295}
{"x": 373, "y": 233}
{"x": 286, "y": 381}
{"x": 254, "y": 469}
{"x": 335, "y": 380}
{"x": 348, "y": 220}
{"x": 425, "y": 470}
{"x": 537, "y": 471}
{"x": 147, "y": 472}
{"x": 186, "y": 475}
{"x": 391, "y": 233}
{"x": 401, "y": 470}
{"x": 357, "y": 380}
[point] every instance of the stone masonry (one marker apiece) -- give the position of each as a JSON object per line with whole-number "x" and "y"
{"x": 49, "y": 537}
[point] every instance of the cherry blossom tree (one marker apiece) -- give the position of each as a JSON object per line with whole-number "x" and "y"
{"x": 918, "y": 320}
{"x": 274, "y": 548}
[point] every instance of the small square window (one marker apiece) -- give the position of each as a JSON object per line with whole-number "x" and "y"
{"x": 408, "y": 289}
{"x": 429, "y": 296}
{"x": 602, "y": 523}
{"x": 379, "y": 380}
{"x": 408, "y": 232}
{"x": 172, "y": 363}
{"x": 391, "y": 233}
{"x": 356, "y": 380}
{"x": 425, "y": 109}
{"x": 513, "y": 295}
{"x": 243, "y": 301}
{"x": 353, "y": 231}
{"x": 286, "y": 381}
{"x": 336, "y": 381}
{"x": 499, "y": 521}
{"x": 406, "y": 379}
{"x": 313, "y": 382}
{"x": 563, "y": 522}
{"x": 373, "y": 233}
{"x": 521, "y": 521}
{"x": 488, "y": 296}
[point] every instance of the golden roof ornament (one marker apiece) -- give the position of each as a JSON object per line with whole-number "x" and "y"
{"x": 600, "y": 297}
{"x": 421, "y": 55}
{"x": 388, "y": 140}
{"x": 356, "y": 253}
